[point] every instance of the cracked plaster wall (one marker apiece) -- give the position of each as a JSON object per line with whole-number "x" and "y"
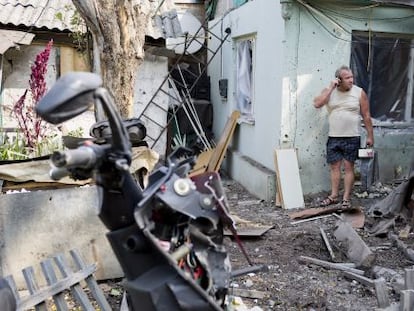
{"x": 296, "y": 58}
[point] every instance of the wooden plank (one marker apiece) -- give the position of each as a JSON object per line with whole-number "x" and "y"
{"x": 39, "y": 296}
{"x": 51, "y": 279}
{"x": 13, "y": 286}
{"x": 315, "y": 211}
{"x": 250, "y": 231}
{"x": 278, "y": 200}
{"x": 248, "y": 293}
{"x": 288, "y": 179}
{"x": 353, "y": 245}
{"x": 361, "y": 279}
{"x": 407, "y": 300}
{"x": 201, "y": 162}
{"x": 329, "y": 265}
{"x": 409, "y": 278}
{"x": 32, "y": 185}
{"x": 76, "y": 289}
{"x": 33, "y": 287}
{"x": 224, "y": 141}
{"x": 249, "y": 269}
{"x": 328, "y": 245}
{"x": 379, "y": 285}
{"x": 67, "y": 282}
{"x": 382, "y": 293}
{"x": 406, "y": 249}
{"x": 310, "y": 219}
{"x": 8, "y": 299}
{"x": 34, "y": 170}
{"x": 96, "y": 291}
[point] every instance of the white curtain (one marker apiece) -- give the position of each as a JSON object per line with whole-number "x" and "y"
{"x": 244, "y": 77}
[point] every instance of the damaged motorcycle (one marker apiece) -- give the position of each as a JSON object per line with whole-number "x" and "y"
{"x": 168, "y": 236}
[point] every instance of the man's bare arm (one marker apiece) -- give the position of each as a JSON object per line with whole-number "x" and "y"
{"x": 366, "y": 116}
{"x": 323, "y": 98}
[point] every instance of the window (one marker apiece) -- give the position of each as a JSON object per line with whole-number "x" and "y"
{"x": 382, "y": 64}
{"x": 244, "y": 80}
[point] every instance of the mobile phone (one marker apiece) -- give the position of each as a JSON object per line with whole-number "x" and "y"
{"x": 340, "y": 80}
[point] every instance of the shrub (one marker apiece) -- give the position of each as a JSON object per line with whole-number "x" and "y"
{"x": 35, "y": 132}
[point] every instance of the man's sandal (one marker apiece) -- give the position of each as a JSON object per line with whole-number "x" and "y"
{"x": 329, "y": 201}
{"x": 346, "y": 204}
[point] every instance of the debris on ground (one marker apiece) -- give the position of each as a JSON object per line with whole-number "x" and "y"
{"x": 302, "y": 273}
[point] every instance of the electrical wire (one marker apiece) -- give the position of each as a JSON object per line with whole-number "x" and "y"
{"x": 221, "y": 18}
{"x": 370, "y": 34}
{"x": 341, "y": 8}
{"x": 36, "y": 20}
{"x": 352, "y": 17}
{"x": 311, "y": 8}
{"x": 326, "y": 28}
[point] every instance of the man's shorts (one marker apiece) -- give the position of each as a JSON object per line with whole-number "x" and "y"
{"x": 338, "y": 148}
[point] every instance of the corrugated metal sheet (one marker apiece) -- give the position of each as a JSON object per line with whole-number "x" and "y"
{"x": 37, "y": 13}
{"x": 165, "y": 25}
{"x": 57, "y": 14}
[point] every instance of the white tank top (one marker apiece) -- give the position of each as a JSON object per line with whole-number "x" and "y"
{"x": 344, "y": 113}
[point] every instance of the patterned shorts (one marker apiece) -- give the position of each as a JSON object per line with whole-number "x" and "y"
{"x": 338, "y": 148}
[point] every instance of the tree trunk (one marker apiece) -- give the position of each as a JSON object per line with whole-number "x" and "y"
{"x": 118, "y": 27}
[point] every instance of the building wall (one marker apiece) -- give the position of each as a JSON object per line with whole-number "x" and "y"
{"x": 16, "y": 73}
{"x": 297, "y": 55}
{"x": 254, "y": 141}
{"x": 150, "y": 77}
{"x": 312, "y": 54}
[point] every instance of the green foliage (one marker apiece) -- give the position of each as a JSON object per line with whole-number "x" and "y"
{"x": 179, "y": 141}
{"x": 33, "y": 138}
{"x": 59, "y": 16}
{"x": 31, "y": 126}
{"x": 79, "y": 33}
{"x": 13, "y": 146}
{"x": 76, "y": 132}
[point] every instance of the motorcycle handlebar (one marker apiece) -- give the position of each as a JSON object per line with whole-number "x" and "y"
{"x": 82, "y": 157}
{"x": 57, "y": 173}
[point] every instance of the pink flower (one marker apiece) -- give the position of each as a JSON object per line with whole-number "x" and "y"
{"x": 29, "y": 122}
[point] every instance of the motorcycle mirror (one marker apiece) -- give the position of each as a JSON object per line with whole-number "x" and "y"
{"x": 71, "y": 95}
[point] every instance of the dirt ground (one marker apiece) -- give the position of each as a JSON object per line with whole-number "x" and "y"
{"x": 289, "y": 284}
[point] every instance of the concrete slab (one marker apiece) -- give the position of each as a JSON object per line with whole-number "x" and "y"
{"x": 260, "y": 180}
{"x": 37, "y": 225}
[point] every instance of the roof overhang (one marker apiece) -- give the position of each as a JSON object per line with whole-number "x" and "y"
{"x": 13, "y": 38}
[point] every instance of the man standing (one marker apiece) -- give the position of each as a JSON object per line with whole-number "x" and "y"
{"x": 345, "y": 103}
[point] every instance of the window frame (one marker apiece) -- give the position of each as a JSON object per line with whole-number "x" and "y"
{"x": 407, "y": 114}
